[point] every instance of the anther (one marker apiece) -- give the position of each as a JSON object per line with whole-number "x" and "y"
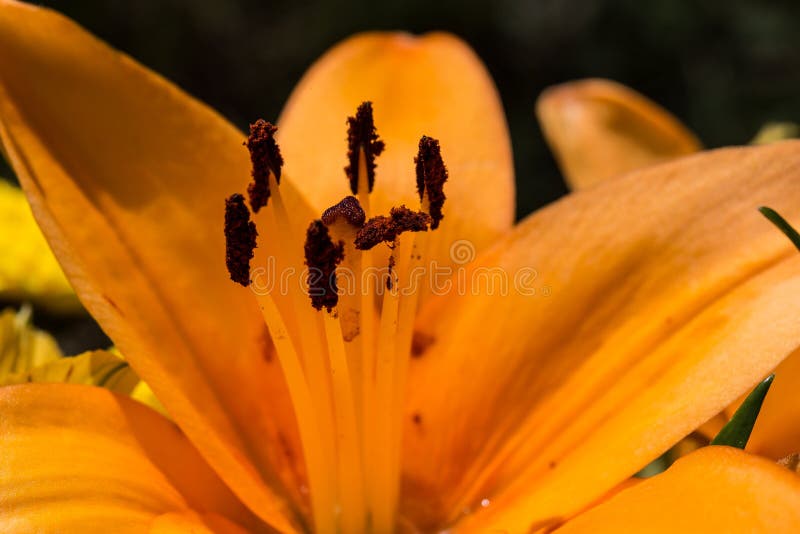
{"x": 240, "y": 239}
{"x": 322, "y": 258}
{"x": 348, "y": 210}
{"x": 431, "y": 176}
{"x": 265, "y": 156}
{"x": 361, "y": 135}
{"x": 382, "y": 229}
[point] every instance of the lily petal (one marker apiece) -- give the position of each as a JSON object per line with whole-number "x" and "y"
{"x": 432, "y": 85}
{"x": 82, "y": 459}
{"x": 598, "y": 129}
{"x": 667, "y": 298}
{"x": 172, "y": 523}
{"x": 776, "y": 434}
{"x": 127, "y": 177}
{"x": 716, "y": 489}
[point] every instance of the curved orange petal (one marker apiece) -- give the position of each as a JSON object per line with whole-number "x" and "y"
{"x": 127, "y": 177}
{"x": 666, "y": 281}
{"x": 432, "y": 85}
{"x": 776, "y": 433}
{"x": 716, "y": 489}
{"x": 82, "y": 459}
{"x": 171, "y": 523}
{"x": 598, "y": 129}
{"x": 663, "y": 397}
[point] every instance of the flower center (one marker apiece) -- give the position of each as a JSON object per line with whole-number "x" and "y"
{"x": 345, "y": 353}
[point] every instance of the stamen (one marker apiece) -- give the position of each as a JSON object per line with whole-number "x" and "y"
{"x": 266, "y": 158}
{"x": 344, "y": 220}
{"x": 382, "y": 229}
{"x": 431, "y": 176}
{"x": 348, "y": 210}
{"x": 322, "y": 257}
{"x": 347, "y": 389}
{"x": 315, "y": 368}
{"x": 362, "y": 136}
{"x": 240, "y": 239}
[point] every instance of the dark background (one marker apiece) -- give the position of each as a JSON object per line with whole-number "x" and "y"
{"x": 723, "y": 67}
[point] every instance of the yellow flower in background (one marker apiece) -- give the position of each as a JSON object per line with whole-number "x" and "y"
{"x": 30, "y": 355}
{"x": 23, "y": 347}
{"x": 643, "y": 306}
{"x": 28, "y": 270}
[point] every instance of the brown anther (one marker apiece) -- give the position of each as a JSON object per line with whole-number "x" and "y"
{"x": 361, "y": 135}
{"x": 265, "y": 156}
{"x": 382, "y": 229}
{"x": 348, "y": 210}
{"x": 322, "y": 258}
{"x": 240, "y": 239}
{"x": 431, "y": 176}
{"x": 406, "y": 220}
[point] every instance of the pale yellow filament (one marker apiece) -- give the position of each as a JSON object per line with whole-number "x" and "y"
{"x": 350, "y": 475}
{"x": 313, "y": 360}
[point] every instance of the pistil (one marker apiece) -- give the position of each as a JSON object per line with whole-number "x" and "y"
{"x": 322, "y": 256}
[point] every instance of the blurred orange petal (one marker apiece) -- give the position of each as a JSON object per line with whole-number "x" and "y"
{"x": 598, "y": 129}
{"x": 716, "y": 489}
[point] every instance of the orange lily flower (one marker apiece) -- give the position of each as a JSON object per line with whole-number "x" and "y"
{"x": 600, "y": 129}
{"x": 639, "y": 309}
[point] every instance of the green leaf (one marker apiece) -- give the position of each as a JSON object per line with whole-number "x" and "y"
{"x": 737, "y": 431}
{"x": 782, "y": 225}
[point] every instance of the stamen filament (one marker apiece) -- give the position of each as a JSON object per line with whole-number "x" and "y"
{"x": 405, "y": 331}
{"x": 320, "y": 488}
{"x": 368, "y": 326}
{"x": 349, "y": 313}
{"x": 350, "y": 475}
{"x": 387, "y": 486}
{"x": 313, "y": 350}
